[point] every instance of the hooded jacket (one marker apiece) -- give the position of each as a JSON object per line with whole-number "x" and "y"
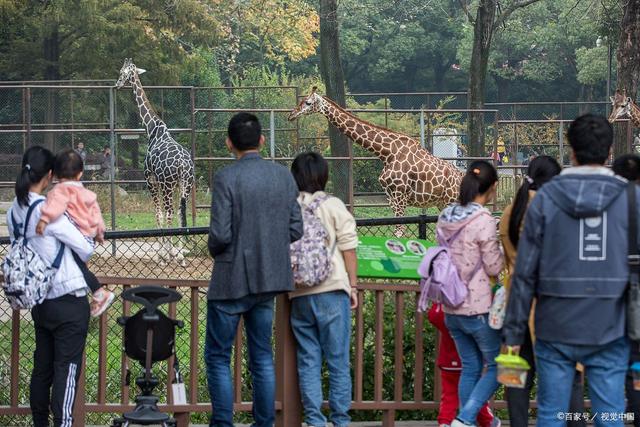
{"x": 572, "y": 256}
{"x": 475, "y": 253}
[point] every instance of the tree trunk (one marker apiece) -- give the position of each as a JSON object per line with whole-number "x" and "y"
{"x": 51, "y": 51}
{"x": 628, "y": 59}
{"x": 483, "y": 33}
{"x": 333, "y": 77}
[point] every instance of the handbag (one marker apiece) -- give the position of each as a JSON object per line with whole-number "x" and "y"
{"x": 633, "y": 291}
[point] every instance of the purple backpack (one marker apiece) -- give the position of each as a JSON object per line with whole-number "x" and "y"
{"x": 440, "y": 279}
{"x": 311, "y": 257}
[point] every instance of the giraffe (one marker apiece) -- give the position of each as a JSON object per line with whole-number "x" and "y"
{"x": 622, "y": 107}
{"x": 168, "y": 166}
{"x": 411, "y": 176}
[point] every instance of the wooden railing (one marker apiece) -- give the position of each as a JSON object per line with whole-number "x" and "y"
{"x": 393, "y": 347}
{"x": 385, "y": 392}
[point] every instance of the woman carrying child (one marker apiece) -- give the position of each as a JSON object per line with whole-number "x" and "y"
{"x": 62, "y": 320}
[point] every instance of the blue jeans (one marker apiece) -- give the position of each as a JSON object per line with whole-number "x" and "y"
{"x": 478, "y": 345}
{"x": 321, "y": 324}
{"x": 605, "y": 367}
{"x": 222, "y": 326}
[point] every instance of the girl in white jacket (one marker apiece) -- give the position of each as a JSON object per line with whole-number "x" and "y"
{"x": 62, "y": 320}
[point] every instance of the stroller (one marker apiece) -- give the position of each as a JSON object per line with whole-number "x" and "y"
{"x": 149, "y": 336}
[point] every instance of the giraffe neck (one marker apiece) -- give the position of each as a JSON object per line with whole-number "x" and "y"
{"x": 635, "y": 115}
{"x": 369, "y": 136}
{"x": 149, "y": 117}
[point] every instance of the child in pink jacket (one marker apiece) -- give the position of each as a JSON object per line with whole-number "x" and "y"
{"x": 470, "y": 232}
{"x": 81, "y": 205}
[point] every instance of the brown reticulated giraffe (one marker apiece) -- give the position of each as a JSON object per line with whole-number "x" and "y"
{"x": 411, "y": 176}
{"x": 624, "y": 107}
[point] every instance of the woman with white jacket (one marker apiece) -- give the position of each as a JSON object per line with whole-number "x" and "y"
{"x": 62, "y": 320}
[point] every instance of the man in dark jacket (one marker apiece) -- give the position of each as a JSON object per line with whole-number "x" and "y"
{"x": 572, "y": 257}
{"x": 254, "y": 219}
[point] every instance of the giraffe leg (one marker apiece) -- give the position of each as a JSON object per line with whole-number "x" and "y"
{"x": 155, "y": 195}
{"x": 172, "y": 252}
{"x": 186, "y": 186}
{"x": 398, "y": 201}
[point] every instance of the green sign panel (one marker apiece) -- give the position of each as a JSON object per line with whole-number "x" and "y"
{"x": 390, "y": 257}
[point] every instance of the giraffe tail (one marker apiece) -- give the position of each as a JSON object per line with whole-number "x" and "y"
{"x": 183, "y": 211}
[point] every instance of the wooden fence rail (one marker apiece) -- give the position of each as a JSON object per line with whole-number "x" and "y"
{"x": 395, "y": 385}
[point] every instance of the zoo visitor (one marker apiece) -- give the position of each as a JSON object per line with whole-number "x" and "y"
{"x": 62, "y": 319}
{"x": 255, "y": 217}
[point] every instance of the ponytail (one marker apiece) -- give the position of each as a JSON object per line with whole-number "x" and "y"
{"x": 541, "y": 170}
{"x": 479, "y": 178}
{"x": 37, "y": 162}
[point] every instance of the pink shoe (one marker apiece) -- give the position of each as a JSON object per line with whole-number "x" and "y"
{"x": 101, "y": 300}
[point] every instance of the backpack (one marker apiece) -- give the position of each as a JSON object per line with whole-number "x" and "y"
{"x": 310, "y": 256}
{"x": 441, "y": 281}
{"x": 27, "y": 277}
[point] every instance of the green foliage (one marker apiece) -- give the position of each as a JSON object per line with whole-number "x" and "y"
{"x": 591, "y": 64}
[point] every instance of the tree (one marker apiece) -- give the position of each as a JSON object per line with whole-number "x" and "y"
{"x": 400, "y": 46}
{"x": 486, "y": 22}
{"x": 265, "y": 33}
{"x": 628, "y": 62}
{"x": 333, "y": 78}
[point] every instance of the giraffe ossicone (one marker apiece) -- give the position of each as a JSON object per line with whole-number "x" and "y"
{"x": 411, "y": 176}
{"x": 168, "y": 166}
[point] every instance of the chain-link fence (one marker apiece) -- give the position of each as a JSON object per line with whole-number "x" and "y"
{"x": 64, "y": 115}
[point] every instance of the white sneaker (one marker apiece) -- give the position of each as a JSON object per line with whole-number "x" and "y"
{"x": 100, "y": 301}
{"x": 458, "y": 423}
{"x": 496, "y": 422}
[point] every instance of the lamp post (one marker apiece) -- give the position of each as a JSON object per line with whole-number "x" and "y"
{"x": 598, "y": 44}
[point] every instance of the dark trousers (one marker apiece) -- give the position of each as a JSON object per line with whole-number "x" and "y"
{"x": 518, "y": 398}
{"x": 61, "y": 331}
{"x": 633, "y": 396}
{"x": 89, "y": 277}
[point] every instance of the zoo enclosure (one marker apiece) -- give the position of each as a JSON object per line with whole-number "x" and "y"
{"x": 61, "y": 114}
{"x": 103, "y": 392}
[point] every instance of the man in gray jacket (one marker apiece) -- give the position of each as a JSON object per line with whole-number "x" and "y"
{"x": 572, "y": 257}
{"x": 254, "y": 218}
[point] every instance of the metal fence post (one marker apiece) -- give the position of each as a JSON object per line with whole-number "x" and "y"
{"x": 272, "y": 135}
{"x": 561, "y": 142}
{"x": 422, "y": 227}
{"x": 422, "y": 141}
{"x": 193, "y": 154}
{"x": 28, "y": 113}
{"x": 112, "y": 144}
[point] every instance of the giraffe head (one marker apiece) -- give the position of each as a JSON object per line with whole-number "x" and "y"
{"x": 620, "y": 106}
{"x": 310, "y": 104}
{"x": 127, "y": 72}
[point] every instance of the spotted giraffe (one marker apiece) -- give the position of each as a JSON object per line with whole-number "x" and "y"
{"x": 623, "y": 107}
{"x": 168, "y": 166}
{"x": 411, "y": 176}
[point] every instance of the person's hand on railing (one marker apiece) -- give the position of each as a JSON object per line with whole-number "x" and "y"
{"x": 354, "y": 298}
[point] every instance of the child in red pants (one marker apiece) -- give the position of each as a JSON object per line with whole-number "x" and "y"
{"x": 450, "y": 368}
